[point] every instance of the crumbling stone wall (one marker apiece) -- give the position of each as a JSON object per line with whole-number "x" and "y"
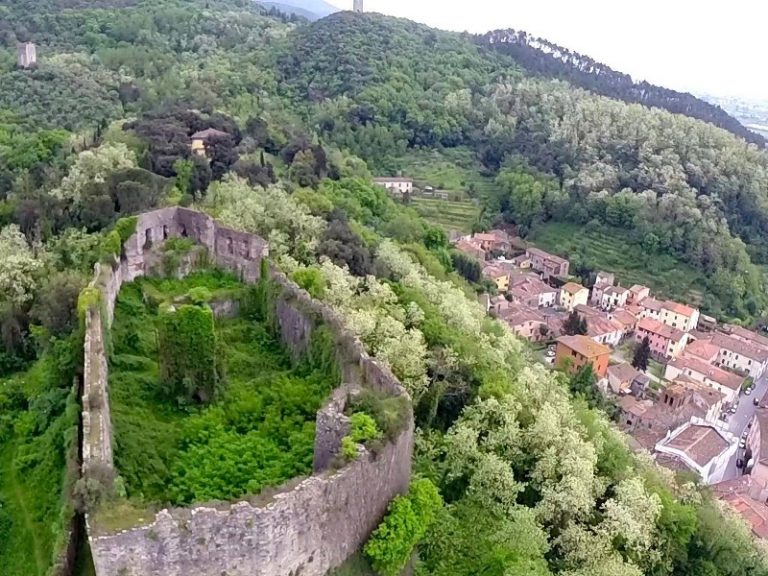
{"x": 307, "y": 530}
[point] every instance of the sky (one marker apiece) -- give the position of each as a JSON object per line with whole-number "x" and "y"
{"x": 705, "y": 46}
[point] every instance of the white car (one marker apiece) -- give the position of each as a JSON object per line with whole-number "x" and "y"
{"x": 748, "y": 391}
{"x": 743, "y": 443}
{"x": 550, "y": 353}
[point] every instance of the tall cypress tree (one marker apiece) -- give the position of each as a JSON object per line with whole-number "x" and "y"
{"x": 642, "y": 355}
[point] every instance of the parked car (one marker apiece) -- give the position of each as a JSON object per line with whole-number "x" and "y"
{"x": 739, "y": 463}
{"x": 550, "y": 353}
{"x": 748, "y": 391}
{"x": 724, "y": 416}
{"x": 742, "y": 443}
{"x": 734, "y": 409}
{"x": 755, "y": 401}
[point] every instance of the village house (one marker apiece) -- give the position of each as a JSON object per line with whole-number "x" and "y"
{"x": 745, "y": 335}
{"x": 678, "y": 403}
{"x": 707, "y": 323}
{"x": 530, "y": 291}
{"x": 395, "y": 185}
{"x": 651, "y": 308}
{"x": 740, "y": 355}
{"x": 470, "y": 249}
{"x": 526, "y": 323}
{"x": 548, "y": 264}
{"x": 572, "y": 295}
{"x": 498, "y": 275}
{"x": 201, "y": 140}
{"x": 698, "y": 370}
{"x": 620, "y": 378}
{"x": 747, "y": 497}
{"x": 603, "y": 281}
{"x": 702, "y": 349}
{"x": 666, "y": 342}
{"x": 627, "y": 320}
{"x": 758, "y": 446}
{"x": 638, "y": 293}
{"x": 679, "y": 316}
{"x": 522, "y": 261}
{"x": 701, "y": 448}
{"x": 577, "y": 351}
{"x": 605, "y": 331}
{"x": 614, "y": 297}
{"x": 494, "y": 240}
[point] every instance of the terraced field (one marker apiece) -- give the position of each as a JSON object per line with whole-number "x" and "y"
{"x": 607, "y": 249}
{"x": 448, "y": 214}
{"x": 454, "y": 170}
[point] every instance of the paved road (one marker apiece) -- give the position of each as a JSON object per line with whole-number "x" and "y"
{"x": 737, "y": 423}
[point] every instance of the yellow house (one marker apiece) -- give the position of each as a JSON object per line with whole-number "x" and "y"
{"x": 202, "y": 138}
{"x": 499, "y": 275}
{"x": 572, "y": 295}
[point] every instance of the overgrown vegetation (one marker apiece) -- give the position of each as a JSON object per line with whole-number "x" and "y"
{"x": 258, "y": 432}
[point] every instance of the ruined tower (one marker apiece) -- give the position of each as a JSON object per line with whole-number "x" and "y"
{"x": 27, "y": 55}
{"x": 357, "y": 6}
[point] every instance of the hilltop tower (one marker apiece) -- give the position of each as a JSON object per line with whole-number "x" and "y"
{"x": 27, "y": 55}
{"x": 357, "y": 6}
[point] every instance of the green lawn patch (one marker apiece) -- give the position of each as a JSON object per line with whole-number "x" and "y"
{"x": 609, "y": 250}
{"x": 258, "y": 432}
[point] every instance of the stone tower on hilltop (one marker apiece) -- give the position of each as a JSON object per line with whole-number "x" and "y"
{"x": 27, "y": 55}
{"x": 357, "y": 6}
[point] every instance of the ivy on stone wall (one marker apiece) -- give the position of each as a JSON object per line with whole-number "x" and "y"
{"x": 187, "y": 349}
{"x": 408, "y": 518}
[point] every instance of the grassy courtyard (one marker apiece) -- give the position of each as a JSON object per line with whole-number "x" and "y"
{"x": 258, "y": 431}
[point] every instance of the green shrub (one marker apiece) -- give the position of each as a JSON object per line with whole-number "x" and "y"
{"x": 407, "y": 521}
{"x": 187, "y": 345}
{"x": 349, "y": 448}
{"x": 126, "y": 227}
{"x": 311, "y": 280}
{"x": 389, "y": 412}
{"x": 363, "y": 428}
{"x": 200, "y": 295}
{"x": 111, "y": 247}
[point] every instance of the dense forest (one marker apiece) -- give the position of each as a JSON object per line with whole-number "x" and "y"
{"x": 544, "y": 58}
{"x": 532, "y": 477}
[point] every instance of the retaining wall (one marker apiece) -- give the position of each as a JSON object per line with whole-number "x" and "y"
{"x": 307, "y": 530}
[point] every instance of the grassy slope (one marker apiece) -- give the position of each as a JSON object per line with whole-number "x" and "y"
{"x": 607, "y": 250}
{"x": 156, "y": 440}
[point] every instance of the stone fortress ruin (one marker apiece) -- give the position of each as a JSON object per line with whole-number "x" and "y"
{"x": 307, "y": 529}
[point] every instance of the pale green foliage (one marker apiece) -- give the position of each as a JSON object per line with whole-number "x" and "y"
{"x": 19, "y": 267}
{"x": 272, "y": 213}
{"x": 372, "y": 312}
{"x": 94, "y": 166}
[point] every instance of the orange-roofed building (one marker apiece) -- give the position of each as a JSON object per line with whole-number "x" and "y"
{"x": 679, "y": 316}
{"x": 578, "y": 351}
{"x": 572, "y": 295}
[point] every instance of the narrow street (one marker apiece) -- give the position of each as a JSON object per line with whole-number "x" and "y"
{"x": 737, "y": 423}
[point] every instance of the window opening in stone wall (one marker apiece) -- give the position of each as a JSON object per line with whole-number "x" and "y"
{"x": 165, "y": 232}
{"x": 147, "y": 239}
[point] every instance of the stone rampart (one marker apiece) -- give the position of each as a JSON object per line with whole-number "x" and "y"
{"x": 306, "y": 530}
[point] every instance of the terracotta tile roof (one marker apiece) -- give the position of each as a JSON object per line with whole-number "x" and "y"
{"x": 744, "y": 334}
{"x": 746, "y": 349}
{"x": 637, "y": 288}
{"x": 523, "y": 316}
{"x": 465, "y": 245}
{"x": 531, "y": 286}
{"x": 546, "y": 255}
{"x": 660, "y": 329}
{"x": 703, "y": 349}
{"x": 678, "y": 308}
{"x": 625, "y": 318}
{"x": 599, "y": 326}
{"x": 651, "y": 304}
{"x": 494, "y": 271}
{"x": 572, "y": 288}
{"x": 208, "y": 133}
{"x": 700, "y": 443}
{"x": 634, "y": 310}
{"x": 616, "y": 290}
{"x": 584, "y": 310}
{"x": 623, "y": 372}
{"x": 584, "y": 345}
{"x": 632, "y": 405}
{"x": 722, "y": 377}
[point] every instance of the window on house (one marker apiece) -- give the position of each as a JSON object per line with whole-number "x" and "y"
{"x": 165, "y": 232}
